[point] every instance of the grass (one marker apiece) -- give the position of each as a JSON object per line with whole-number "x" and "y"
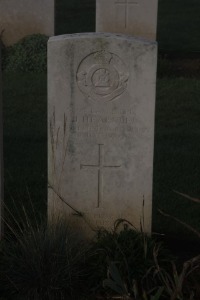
{"x": 48, "y": 262}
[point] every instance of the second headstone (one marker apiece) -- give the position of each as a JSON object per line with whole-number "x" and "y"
{"x": 132, "y": 17}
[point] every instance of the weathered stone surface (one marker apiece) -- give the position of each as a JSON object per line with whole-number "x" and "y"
{"x": 101, "y": 98}
{"x": 1, "y": 154}
{"x": 134, "y": 17}
{"x": 25, "y": 17}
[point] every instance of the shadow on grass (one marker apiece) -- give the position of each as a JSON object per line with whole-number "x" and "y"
{"x": 25, "y": 138}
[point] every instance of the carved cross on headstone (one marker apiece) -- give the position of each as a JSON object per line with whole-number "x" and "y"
{"x": 126, "y": 4}
{"x": 100, "y": 166}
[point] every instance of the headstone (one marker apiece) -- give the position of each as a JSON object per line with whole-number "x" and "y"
{"x": 1, "y": 153}
{"x": 25, "y": 17}
{"x": 132, "y": 17}
{"x": 101, "y": 99}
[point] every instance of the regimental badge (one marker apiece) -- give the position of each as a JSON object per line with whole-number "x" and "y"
{"x": 102, "y": 76}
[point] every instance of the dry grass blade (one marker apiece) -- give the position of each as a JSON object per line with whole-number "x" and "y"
{"x": 188, "y": 197}
{"x": 63, "y": 200}
{"x": 180, "y": 222}
{"x": 78, "y": 213}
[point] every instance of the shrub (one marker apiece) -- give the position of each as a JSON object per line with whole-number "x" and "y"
{"x": 133, "y": 253}
{"x": 28, "y": 55}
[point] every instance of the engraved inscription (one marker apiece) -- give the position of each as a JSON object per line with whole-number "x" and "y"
{"x": 126, "y": 4}
{"x": 92, "y": 124}
{"x": 102, "y": 76}
{"x": 100, "y": 166}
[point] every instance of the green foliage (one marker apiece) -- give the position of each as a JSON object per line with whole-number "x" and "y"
{"x": 115, "y": 281}
{"x": 158, "y": 282}
{"x": 44, "y": 262}
{"x": 180, "y": 285}
{"x": 116, "y": 284}
{"x": 28, "y": 55}
{"x": 132, "y": 254}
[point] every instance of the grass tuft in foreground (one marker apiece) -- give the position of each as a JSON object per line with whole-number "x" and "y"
{"x": 40, "y": 261}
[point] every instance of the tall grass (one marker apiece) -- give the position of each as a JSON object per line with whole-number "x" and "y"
{"x": 40, "y": 261}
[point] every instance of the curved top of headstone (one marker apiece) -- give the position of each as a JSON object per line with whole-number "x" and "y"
{"x": 100, "y": 35}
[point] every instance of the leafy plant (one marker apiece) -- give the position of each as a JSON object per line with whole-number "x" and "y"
{"x": 177, "y": 283}
{"x": 172, "y": 285}
{"x": 116, "y": 284}
{"x": 126, "y": 259}
{"x": 28, "y": 55}
{"x": 115, "y": 281}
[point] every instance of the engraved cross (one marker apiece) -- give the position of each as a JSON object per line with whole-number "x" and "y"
{"x": 126, "y": 4}
{"x": 100, "y": 167}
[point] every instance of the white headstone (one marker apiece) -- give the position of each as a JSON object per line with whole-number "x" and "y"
{"x": 133, "y": 17}
{"x": 101, "y": 98}
{"x": 25, "y": 17}
{"x": 1, "y": 154}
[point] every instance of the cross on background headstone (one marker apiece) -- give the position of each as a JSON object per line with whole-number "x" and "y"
{"x": 131, "y": 17}
{"x": 100, "y": 166}
{"x": 126, "y": 4}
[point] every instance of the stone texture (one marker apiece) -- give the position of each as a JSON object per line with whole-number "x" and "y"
{"x": 101, "y": 99}
{"x": 1, "y": 154}
{"x": 133, "y": 17}
{"x": 24, "y": 17}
